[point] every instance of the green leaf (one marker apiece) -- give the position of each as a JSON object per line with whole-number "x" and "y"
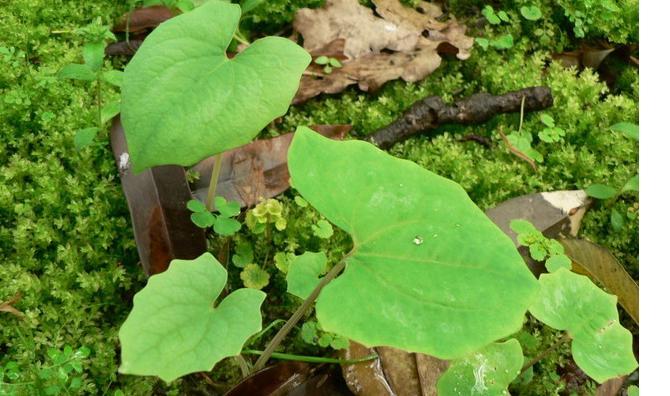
{"x": 532, "y": 13}
{"x": 503, "y": 42}
{"x": 110, "y": 110}
{"x": 185, "y": 5}
{"x": 324, "y": 340}
{"x": 248, "y": 5}
{"x": 309, "y": 332}
{"x": 77, "y": 72}
{"x": 334, "y": 62}
{"x": 283, "y": 261}
{"x": 616, "y": 219}
{"x": 203, "y": 219}
{"x": 522, "y": 141}
{"x": 628, "y": 129}
{"x": 503, "y": 16}
{"x": 558, "y": 261}
{"x": 633, "y": 184}
{"x": 94, "y": 55}
{"x": 633, "y": 391}
{"x": 184, "y": 100}
{"x": 84, "y": 137}
{"x": 196, "y": 206}
{"x": 300, "y": 201}
{"x": 547, "y": 120}
{"x": 253, "y": 276}
{"x": 174, "y": 328}
{"x": 321, "y": 60}
{"x": 484, "y": 43}
{"x": 488, "y": 371}
{"x": 114, "y": 77}
{"x": 490, "y": 15}
{"x": 323, "y": 229}
{"x": 226, "y": 208}
{"x": 419, "y": 277}
{"x": 339, "y": 342}
{"x": 521, "y": 226}
{"x": 600, "y": 191}
{"x": 244, "y": 254}
{"x": 225, "y": 226}
{"x": 601, "y": 347}
{"x": 304, "y": 272}
{"x": 537, "y": 252}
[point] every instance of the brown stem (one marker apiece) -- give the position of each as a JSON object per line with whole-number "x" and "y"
{"x": 545, "y": 353}
{"x": 297, "y": 315}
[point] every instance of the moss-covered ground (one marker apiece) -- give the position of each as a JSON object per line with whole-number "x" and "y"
{"x": 65, "y": 236}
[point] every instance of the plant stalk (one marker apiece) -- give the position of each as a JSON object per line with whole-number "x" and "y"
{"x": 297, "y": 315}
{"x": 311, "y": 359}
{"x": 213, "y": 181}
{"x": 545, "y": 353}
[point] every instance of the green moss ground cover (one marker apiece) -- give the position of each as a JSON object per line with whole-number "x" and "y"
{"x": 65, "y": 238}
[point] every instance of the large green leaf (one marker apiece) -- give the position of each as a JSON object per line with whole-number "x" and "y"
{"x": 429, "y": 271}
{"x": 183, "y": 99}
{"x": 488, "y": 371}
{"x": 174, "y": 328}
{"x": 304, "y": 273}
{"x": 600, "y": 345}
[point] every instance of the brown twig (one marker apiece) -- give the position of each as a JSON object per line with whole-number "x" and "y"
{"x": 516, "y": 151}
{"x": 6, "y": 306}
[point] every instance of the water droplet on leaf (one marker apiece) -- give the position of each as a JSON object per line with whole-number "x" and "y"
{"x": 418, "y": 240}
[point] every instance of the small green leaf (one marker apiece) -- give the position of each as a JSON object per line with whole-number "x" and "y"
{"x": 324, "y": 340}
{"x": 244, "y": 254}
{"x": 83, "y": 352}
{"x": 283, "y": 261}
{"x": 558, "y": 261}
{"x": 254, "y": 277}
{"x": 309, "y": 332}
{"x": 114, "y": 77}
{"x": 488, "y": 371}
{"x": 226, "y": 208}
{"x": 174, "y": 328}
{"x": 196, "y": 206}
{"x": 304, "y": 272}
{"x": 554, "y": 247}
{"x": 503, "y": 42}
{"x": 484, "y": 43}
{"x": 503, "y": 16}
{"x": 633, "y": 184}
{"x": 321, "y": 60}
{"x": 538, "y": 252}
{"x": 532, "y": 13}
{"x": 185, "y": 5}
{"x": 203, "y": 219}
{"x": 76, "y": 382}
{"x": 522, "y": 142}
{"x": 323, "y": 229}
{"x": 84, "y": 137}
{"x": 628, "y": 129}
{"x": 490, "y": 15}
{"x": 110, "y": 110}
{"x": 77, "y": 72}
{"x": 334, "y": 62}
{"x": 328, "y": 69}
{"x": 521, "y": 226}
{"x": 225, "y": 226}
{"x": 600, "y": 191}
{"x": 249, "y": 5}
{"x": 601, "y": 347}
{"x": 547, "y": 120}
{"x": 300, "y": 201}
{"x": 633, "y": 391}
{"x": 94, "y": 55}
{"x": 616, "y": 219}
{"x": 339, "y": 342}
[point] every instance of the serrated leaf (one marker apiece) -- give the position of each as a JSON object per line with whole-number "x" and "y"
{"x": 419, "y": 277}
{"x": 77, "y": 72}
{"x": 196, "y": 206}
{"x": 633, "y": 184}
{"x": 537, "y": 252}
{"x": 488, "y": 371}
{"x": 174, "y": 328}
{"x": 225, "y": 226}
{"x": 521, "y": 226}
{"x": 558, "y": 261}
{"x": 226, "y": 208}
{"x": 253, "y": 276}
{"x": 94, "y": 55}
{"x": 114, "y": 77}
{"x": 601, "y": 347}
{"x": 600, "y": 191}
{"x": 184, "y": 100}
{"x": 84, "y": 137}
{"x": 304, "y": 272}
{"x": 203, "y": 219}
{"x": 532, "y": 13}
{"x": 628, "y": 129}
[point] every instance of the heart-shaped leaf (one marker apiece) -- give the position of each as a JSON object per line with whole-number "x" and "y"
{"x": 600, "y": 345}
{"x": 183, "y": 99}
{"x": 429, "y": 271}
{"x": 303, "y": 273}
{"x": 174, "y": 328}
{"x": 488, "y": 371}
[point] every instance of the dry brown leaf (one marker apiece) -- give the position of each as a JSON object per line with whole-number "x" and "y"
{"x": 8, "y": 306}
{"x": 142, "y": 19}
{"x": 404, "y": 43}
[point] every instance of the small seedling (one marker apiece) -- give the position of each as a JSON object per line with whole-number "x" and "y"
{"x": 265, "y": 213}
{"x": 541, "y": 248}
{"x": 611, "y": 194}
{"x": 223, "y": 222}
{"x": 328, "y": 63}
{"x": 493, "y": 17}
{"x": 551, "y": 133}
{"x": 532, "y": 13}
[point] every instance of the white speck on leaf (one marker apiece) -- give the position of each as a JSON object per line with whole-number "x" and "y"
{"x": 417, "y": 240}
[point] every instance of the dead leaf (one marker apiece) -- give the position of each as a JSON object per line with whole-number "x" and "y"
{"x": 396, "y": 372}
{"x": 611, "y": 387}
{"x": 403, "y": 43}
{"x": 586, "y": 56}
{"x": 8, "y": 306}
{"x": 600, "y": 265}
{"x": 123, "y": 48}
{"x": 553, "y": 213}
{"x": 142, "y": 19}
{"x": 157, "y": 201}
{"x": 256, "y": 170}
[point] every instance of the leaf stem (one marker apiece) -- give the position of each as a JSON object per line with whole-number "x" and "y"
{"x": 238, "y": 36}
{"x": 297, "y": 315}
{"x": 99, "y": 102}
{"x": 213, "y": 181}
{"x": 545, "y": 353}
{"x": 523, "y": 102}
{"x": 311, "y": 359}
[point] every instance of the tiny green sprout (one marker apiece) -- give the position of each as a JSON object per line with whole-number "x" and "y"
{"x": 254, "y": 277}
{"x": 505, "y": 41}
{"x": 328, "y": 63}
{"x": 223, "y": 223}
{"x": 312, "y": 333}
{"x": 541, "y": 248}
{"x": 265, "y": 213}
{"x": 532, "y": 13}
{"x": 551, "y": 133}
{"x": 322, "y": 229}
{"x": 490, "y": 15}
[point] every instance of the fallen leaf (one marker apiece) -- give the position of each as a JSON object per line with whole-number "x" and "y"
{"x": 402, "y": 43}
{"x": 123, "y": 48}
{"x": 611, "y": 387}
{"x": 142, "y": 18}
{"x": 256, "y": 170}
{"x": 157, "y": 200}
{"x": 7, "y": 306}
{"x": 600, "y": 265}
{"x": 396, "y": 372}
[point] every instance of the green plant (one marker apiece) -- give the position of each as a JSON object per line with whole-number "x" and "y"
{"x": 224, "y": 223}
{"x": 328, "y": 63}
{"x": 493, "y": 17}
{"x": 551, "y": 133}
{"x": 541, "y": 248}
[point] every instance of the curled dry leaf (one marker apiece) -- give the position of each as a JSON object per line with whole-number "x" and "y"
{"x": 403, "y": 43}
{"x": 8, "y": 306}
{"x": 142, "y": 19}
{"x": 256, "y": 170}
{"x": 600, "y": 265}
